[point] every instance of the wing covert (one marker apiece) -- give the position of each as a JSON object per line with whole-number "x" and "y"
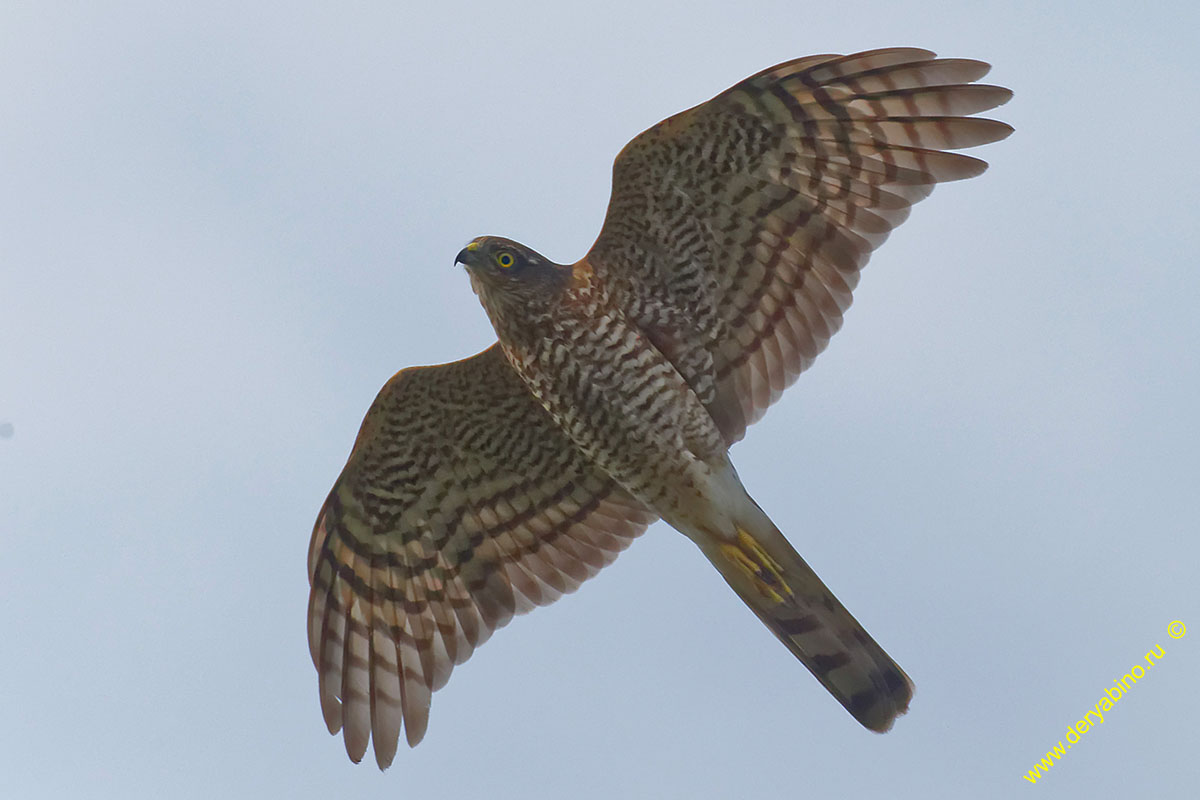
{"x": 461, "y": 504}
{"x": 737, "y": 229}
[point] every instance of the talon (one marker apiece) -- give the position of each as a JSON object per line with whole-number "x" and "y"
{"x": 763, "y": 570}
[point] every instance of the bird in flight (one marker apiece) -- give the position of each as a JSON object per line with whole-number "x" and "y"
{"x": 733, "y": 240}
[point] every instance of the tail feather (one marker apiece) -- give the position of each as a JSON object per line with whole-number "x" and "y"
{"x": 771, "y": 577}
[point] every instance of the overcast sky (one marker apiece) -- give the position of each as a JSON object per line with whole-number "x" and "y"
{"x": 221, "y": 230}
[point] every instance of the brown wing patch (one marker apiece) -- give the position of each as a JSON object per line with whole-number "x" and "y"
{"x": 750, "y": 216}
{"x": 461, "y": 505}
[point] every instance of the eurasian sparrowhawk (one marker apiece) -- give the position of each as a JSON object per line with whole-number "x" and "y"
{"x": 734, "y": 237}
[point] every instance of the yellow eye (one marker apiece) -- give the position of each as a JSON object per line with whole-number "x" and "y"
{"x": 505, "y": 259}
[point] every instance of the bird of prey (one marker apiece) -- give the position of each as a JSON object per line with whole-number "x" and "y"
{"x": 733, "y": 239}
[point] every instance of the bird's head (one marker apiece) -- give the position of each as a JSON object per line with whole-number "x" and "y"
{"x": 509, "y": 276}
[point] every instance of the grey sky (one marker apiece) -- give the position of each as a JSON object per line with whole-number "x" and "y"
{"x": 223, "y": 229}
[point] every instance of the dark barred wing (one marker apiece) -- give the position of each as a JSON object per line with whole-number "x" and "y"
{"x": 461, "y": 504}
{"x": 737, "y": 229}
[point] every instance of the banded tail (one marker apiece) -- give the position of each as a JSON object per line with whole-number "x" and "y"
{"x": 771, "y": 577}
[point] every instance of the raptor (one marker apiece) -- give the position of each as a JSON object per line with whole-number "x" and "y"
{"x": 733, "y": 240}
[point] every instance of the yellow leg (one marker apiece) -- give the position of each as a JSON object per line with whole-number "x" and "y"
{"x": 763, "y": 570}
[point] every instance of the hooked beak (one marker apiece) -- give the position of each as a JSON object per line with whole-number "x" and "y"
{"x": 465, "y": 256}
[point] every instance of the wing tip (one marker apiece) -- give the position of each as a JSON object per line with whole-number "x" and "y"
{"x": 385, "y": 750}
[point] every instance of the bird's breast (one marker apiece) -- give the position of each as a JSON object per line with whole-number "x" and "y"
{"x": 618, "y": 398}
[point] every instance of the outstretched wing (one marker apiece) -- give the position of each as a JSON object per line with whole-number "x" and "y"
{"x": 737, "y": 229}
{"x": 461, "y": 504}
